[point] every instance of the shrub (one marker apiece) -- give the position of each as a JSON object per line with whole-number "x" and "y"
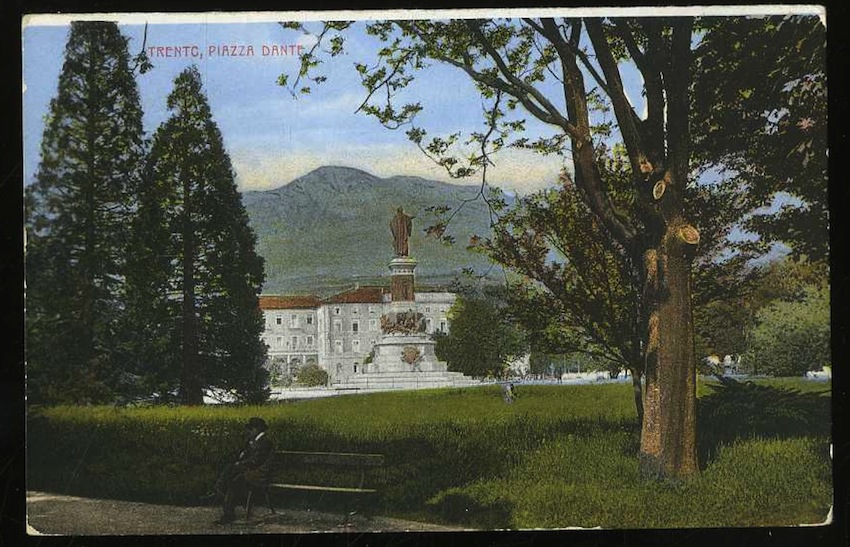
{"x": 792, "y": 337}
{"x": 312, "y": 376}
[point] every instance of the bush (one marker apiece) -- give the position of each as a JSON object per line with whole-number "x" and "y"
{"x": 312, "y": 376}
{"x": 792, "y": 337}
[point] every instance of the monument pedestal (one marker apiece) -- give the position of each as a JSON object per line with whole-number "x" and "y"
{"x": 404, "y": 356}
{"x": 402, "y": 270}
{"x": 404, "y": 362}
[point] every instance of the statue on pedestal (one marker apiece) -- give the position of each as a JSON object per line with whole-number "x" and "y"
{"x": 401, "y": 226}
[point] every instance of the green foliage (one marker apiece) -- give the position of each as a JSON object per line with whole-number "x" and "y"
{"x": 559, "y": 456}
{"x": 312, "y": 375}
{"x": 482, "y": 341}
{"x": 726, "y": 314}
{"x": 766, "y": 129}
{"x": 77, "y": 218}
{"x": 574, "y": 292}
{"x": 792, "y": 337}
{"x": 196, "y": 277}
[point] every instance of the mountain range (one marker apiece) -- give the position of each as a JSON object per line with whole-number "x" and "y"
{"x": 329, "y": 230}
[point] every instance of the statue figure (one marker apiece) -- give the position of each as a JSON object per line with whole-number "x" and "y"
{"x": 400, "y": 226}
{"x": 406, "y": 322}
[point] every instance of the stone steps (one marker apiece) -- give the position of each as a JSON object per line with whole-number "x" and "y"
{"x": 409, "y": 380}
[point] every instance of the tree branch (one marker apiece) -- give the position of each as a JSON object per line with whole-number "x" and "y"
{"x": 564, "y": 47}
{"x": 626, "y": 117}
{"x": 647, "y": 63}
{"x": 678, "y": 103}
{"x": 397, "y": 65}
{"x": 524, "y": 88}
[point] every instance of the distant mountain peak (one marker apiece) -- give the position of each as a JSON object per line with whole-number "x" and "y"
{"x": 339, "y": 171}
{"x": 330, "y": 226}
{"x": 336, "y": 177}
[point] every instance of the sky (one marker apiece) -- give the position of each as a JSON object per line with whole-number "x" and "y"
{"x": 273, "y": 137}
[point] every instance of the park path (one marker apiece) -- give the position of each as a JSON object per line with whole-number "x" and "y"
{"x": 56, "y": 514}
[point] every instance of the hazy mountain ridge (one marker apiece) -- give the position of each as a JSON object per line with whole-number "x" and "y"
{"x": 332, "y": 225}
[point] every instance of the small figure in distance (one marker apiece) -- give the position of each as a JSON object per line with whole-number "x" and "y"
{"x": 249, "y": 471}
{"x": 508, "y": 392}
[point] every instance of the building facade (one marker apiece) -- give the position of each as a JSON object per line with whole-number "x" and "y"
{"x": 337, "y": 333}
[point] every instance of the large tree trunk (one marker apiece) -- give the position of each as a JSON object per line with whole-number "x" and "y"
{"x": 668, "y": 437}
{"x": 191, "y": 391}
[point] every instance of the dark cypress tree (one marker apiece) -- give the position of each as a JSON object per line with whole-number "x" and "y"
{"x": 199, "y": 270}
{"x": 78, "y": 211}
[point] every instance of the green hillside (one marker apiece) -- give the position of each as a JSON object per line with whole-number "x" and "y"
{"x": 330, "y": 229}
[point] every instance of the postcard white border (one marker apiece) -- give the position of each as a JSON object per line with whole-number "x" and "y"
{"x": 62, "y": 19}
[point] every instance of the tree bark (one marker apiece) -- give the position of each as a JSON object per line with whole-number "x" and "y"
{"x": 191, "y": 392}
{"x": 668, "y": 438}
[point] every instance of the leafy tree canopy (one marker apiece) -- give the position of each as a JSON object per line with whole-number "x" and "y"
{"x": 760, "y": 118}
{"x": 791, "y": 337}
{"x": 198, "y": 275}
{"x": 482, "y": 341}
{"x": 77, "y": 214}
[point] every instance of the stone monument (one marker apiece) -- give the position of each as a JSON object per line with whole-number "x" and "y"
{"x": 404, "y": 356}
{"x": 404, "y": 345}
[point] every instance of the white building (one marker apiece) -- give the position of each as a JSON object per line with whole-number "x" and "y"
{"x": 337, "y": 332}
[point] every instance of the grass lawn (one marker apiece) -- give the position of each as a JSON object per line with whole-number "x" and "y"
{"x": 560, "y": 456}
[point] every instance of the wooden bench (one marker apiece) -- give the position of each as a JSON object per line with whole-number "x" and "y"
{"x": 313, "y": 471}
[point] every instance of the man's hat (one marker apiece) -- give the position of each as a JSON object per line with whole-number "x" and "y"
{"x": 257, "y": 423}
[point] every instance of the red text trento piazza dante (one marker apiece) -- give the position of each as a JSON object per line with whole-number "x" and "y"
{"x": 224, "y": 50}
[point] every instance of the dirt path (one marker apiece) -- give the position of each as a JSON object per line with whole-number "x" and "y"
{"x": 54, "y": 514}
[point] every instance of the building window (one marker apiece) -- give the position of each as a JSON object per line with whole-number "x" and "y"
{"x": 293, "y": 321}
{"x": 355, "y": 369}
{"x": 278, "y": 320}
{"x": 309, "y": 341}
{"x": 294, "y": 342}
{"x": 309, "y": 319}
{"x": 355, "y": 326}
{"x": 337, "y": 326}
{"x": 373, "y": 324}
{"x": 355, "y": 346}
{"x": 427, "y": 309}
{"x": 336, "y": 310}
{"x": 371, "y": 309}
{"x": 338, "y": 346}
{"x": 278, "y": 342}
{"x": 355, "y": 310}
{"x": 443, "y": 326}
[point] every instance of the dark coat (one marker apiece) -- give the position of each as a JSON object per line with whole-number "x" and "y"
{"x": 255, "y": 459}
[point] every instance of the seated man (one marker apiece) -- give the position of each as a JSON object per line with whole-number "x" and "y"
{"x": 250, "y": 470}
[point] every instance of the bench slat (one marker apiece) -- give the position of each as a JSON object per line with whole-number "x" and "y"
{"x": 332, "y": 458}
{"x": 323, "y": 488}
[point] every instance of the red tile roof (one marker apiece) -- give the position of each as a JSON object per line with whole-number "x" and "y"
{"x": 359, "y": 295}
{"x": 292, "y": 302}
